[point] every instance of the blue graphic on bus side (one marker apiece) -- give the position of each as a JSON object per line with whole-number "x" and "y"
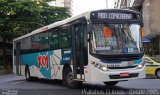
{"x": 41, "y": 60}
{"x": 66, "y": 56}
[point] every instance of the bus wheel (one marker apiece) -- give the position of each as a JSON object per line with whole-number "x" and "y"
{"x": 110, "y": 84}
{"x": 27, "y": 74}
{"x": 68, "y": 79}
{"x": 157, "y": 73}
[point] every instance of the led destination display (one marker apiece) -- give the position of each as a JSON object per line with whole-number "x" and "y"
{"x": 115, "y": 15}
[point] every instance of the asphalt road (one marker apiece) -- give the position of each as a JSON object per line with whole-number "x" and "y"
{"x": 17, "y": 85}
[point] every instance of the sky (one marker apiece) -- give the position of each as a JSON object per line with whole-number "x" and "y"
{"x": 80, "y": 6}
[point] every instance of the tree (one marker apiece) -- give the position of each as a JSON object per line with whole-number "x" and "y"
{"x": 18, "y": 17}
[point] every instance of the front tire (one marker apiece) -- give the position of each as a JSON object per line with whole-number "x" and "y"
{"x": 157, "y": 73}
{"x": 68, "y": 79}
{"x": 110, "y": 84}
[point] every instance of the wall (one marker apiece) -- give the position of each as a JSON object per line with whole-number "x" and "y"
{"x": 155, "y": 15}
{"x": 146, "y": 17}
{"x": 151, "y": 17}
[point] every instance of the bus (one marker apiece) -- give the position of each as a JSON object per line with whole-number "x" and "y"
{"x": 96, "y": 46}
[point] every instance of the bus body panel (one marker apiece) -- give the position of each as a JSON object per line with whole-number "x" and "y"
{"x": 47, "y": 64}
{"x": 104, "y": 76}
{"x": 94, "y": 74}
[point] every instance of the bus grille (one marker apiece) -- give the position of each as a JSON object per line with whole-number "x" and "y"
{"x": 120, "y": 77}
{"x": 121, "y": 67}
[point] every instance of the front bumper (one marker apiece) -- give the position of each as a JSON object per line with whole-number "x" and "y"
{"x": 97, "y": 75}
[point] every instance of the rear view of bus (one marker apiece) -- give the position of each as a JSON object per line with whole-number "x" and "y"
{"x": 115, "y": 46}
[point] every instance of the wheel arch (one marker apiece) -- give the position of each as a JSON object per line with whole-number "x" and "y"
{"x": 64, "y": 68}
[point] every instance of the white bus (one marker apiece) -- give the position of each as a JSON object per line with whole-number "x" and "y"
{"x": 96, "y": 46}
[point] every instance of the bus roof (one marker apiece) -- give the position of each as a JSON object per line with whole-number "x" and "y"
{"x": 50, "y": 26}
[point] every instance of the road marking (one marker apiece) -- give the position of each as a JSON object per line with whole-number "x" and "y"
{"x": 16, "y": 82}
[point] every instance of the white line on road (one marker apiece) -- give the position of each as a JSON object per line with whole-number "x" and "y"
{"x": 16, "y": 82}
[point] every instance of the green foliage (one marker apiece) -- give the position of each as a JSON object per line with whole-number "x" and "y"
{"x": 18, "y": 17}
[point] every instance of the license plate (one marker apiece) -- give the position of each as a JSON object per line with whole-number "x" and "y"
{"x": 126, "y": 74}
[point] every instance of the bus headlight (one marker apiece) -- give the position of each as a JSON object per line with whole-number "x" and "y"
{"x": 104, "y": 68}
{"x": 101, "y": 67}
{"x": 141, "y": 65}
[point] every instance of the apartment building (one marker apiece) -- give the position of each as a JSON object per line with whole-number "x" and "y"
{"x": 8, "y": 47}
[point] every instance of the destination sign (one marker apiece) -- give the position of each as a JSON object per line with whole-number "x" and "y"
{"x": 115, "y": 15}
{"x": 121, "y": 16}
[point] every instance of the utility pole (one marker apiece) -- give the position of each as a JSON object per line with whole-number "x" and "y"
{"x": 106, "y": 4}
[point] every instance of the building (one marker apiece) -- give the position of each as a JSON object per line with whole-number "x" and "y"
{"x": 8, "y": 47}
{"x": 151, "y": 20}
{"x": 150, "y": 13}
{"x": 131, "y": 4}
{"x": 63, "y": 3}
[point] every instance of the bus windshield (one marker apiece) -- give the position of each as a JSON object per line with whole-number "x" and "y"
{"x": 111, "y": 39}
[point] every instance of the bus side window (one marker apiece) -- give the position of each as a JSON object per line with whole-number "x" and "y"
{"x": 35, "y": 42}
{"x": 64, "y": 38}
{"x": 44, "y": 40}
{"x": 25, "y": 44}
{"x": 69, "y": 36}
{"x": 53, "y": 39}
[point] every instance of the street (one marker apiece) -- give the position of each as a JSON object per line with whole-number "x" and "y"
{"x": 17, "y": 85}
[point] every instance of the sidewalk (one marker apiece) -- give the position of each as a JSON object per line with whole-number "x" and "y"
{"x": 5, "y": 71}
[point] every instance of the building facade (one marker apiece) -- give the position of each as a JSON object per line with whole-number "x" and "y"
{"x": 151, "y": 19}
{"x": 8, "y": 47}
{"x": 130, "y": 4}
{"x": 63, "y": 3}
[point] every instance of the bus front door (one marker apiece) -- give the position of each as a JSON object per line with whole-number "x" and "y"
{"x": 78, "y": 49}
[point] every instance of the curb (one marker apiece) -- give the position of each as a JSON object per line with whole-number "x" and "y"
{"x": 5, "y": 72}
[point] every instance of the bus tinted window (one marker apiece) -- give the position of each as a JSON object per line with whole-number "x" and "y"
{"x": 54, "y": 39}
{"x": 63, "y": 39}
{"x": 44, "y": 40}
{"x": 35, "y": 41}
{"x": 69, "y": 36}
{"x": 26, "y": 43}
